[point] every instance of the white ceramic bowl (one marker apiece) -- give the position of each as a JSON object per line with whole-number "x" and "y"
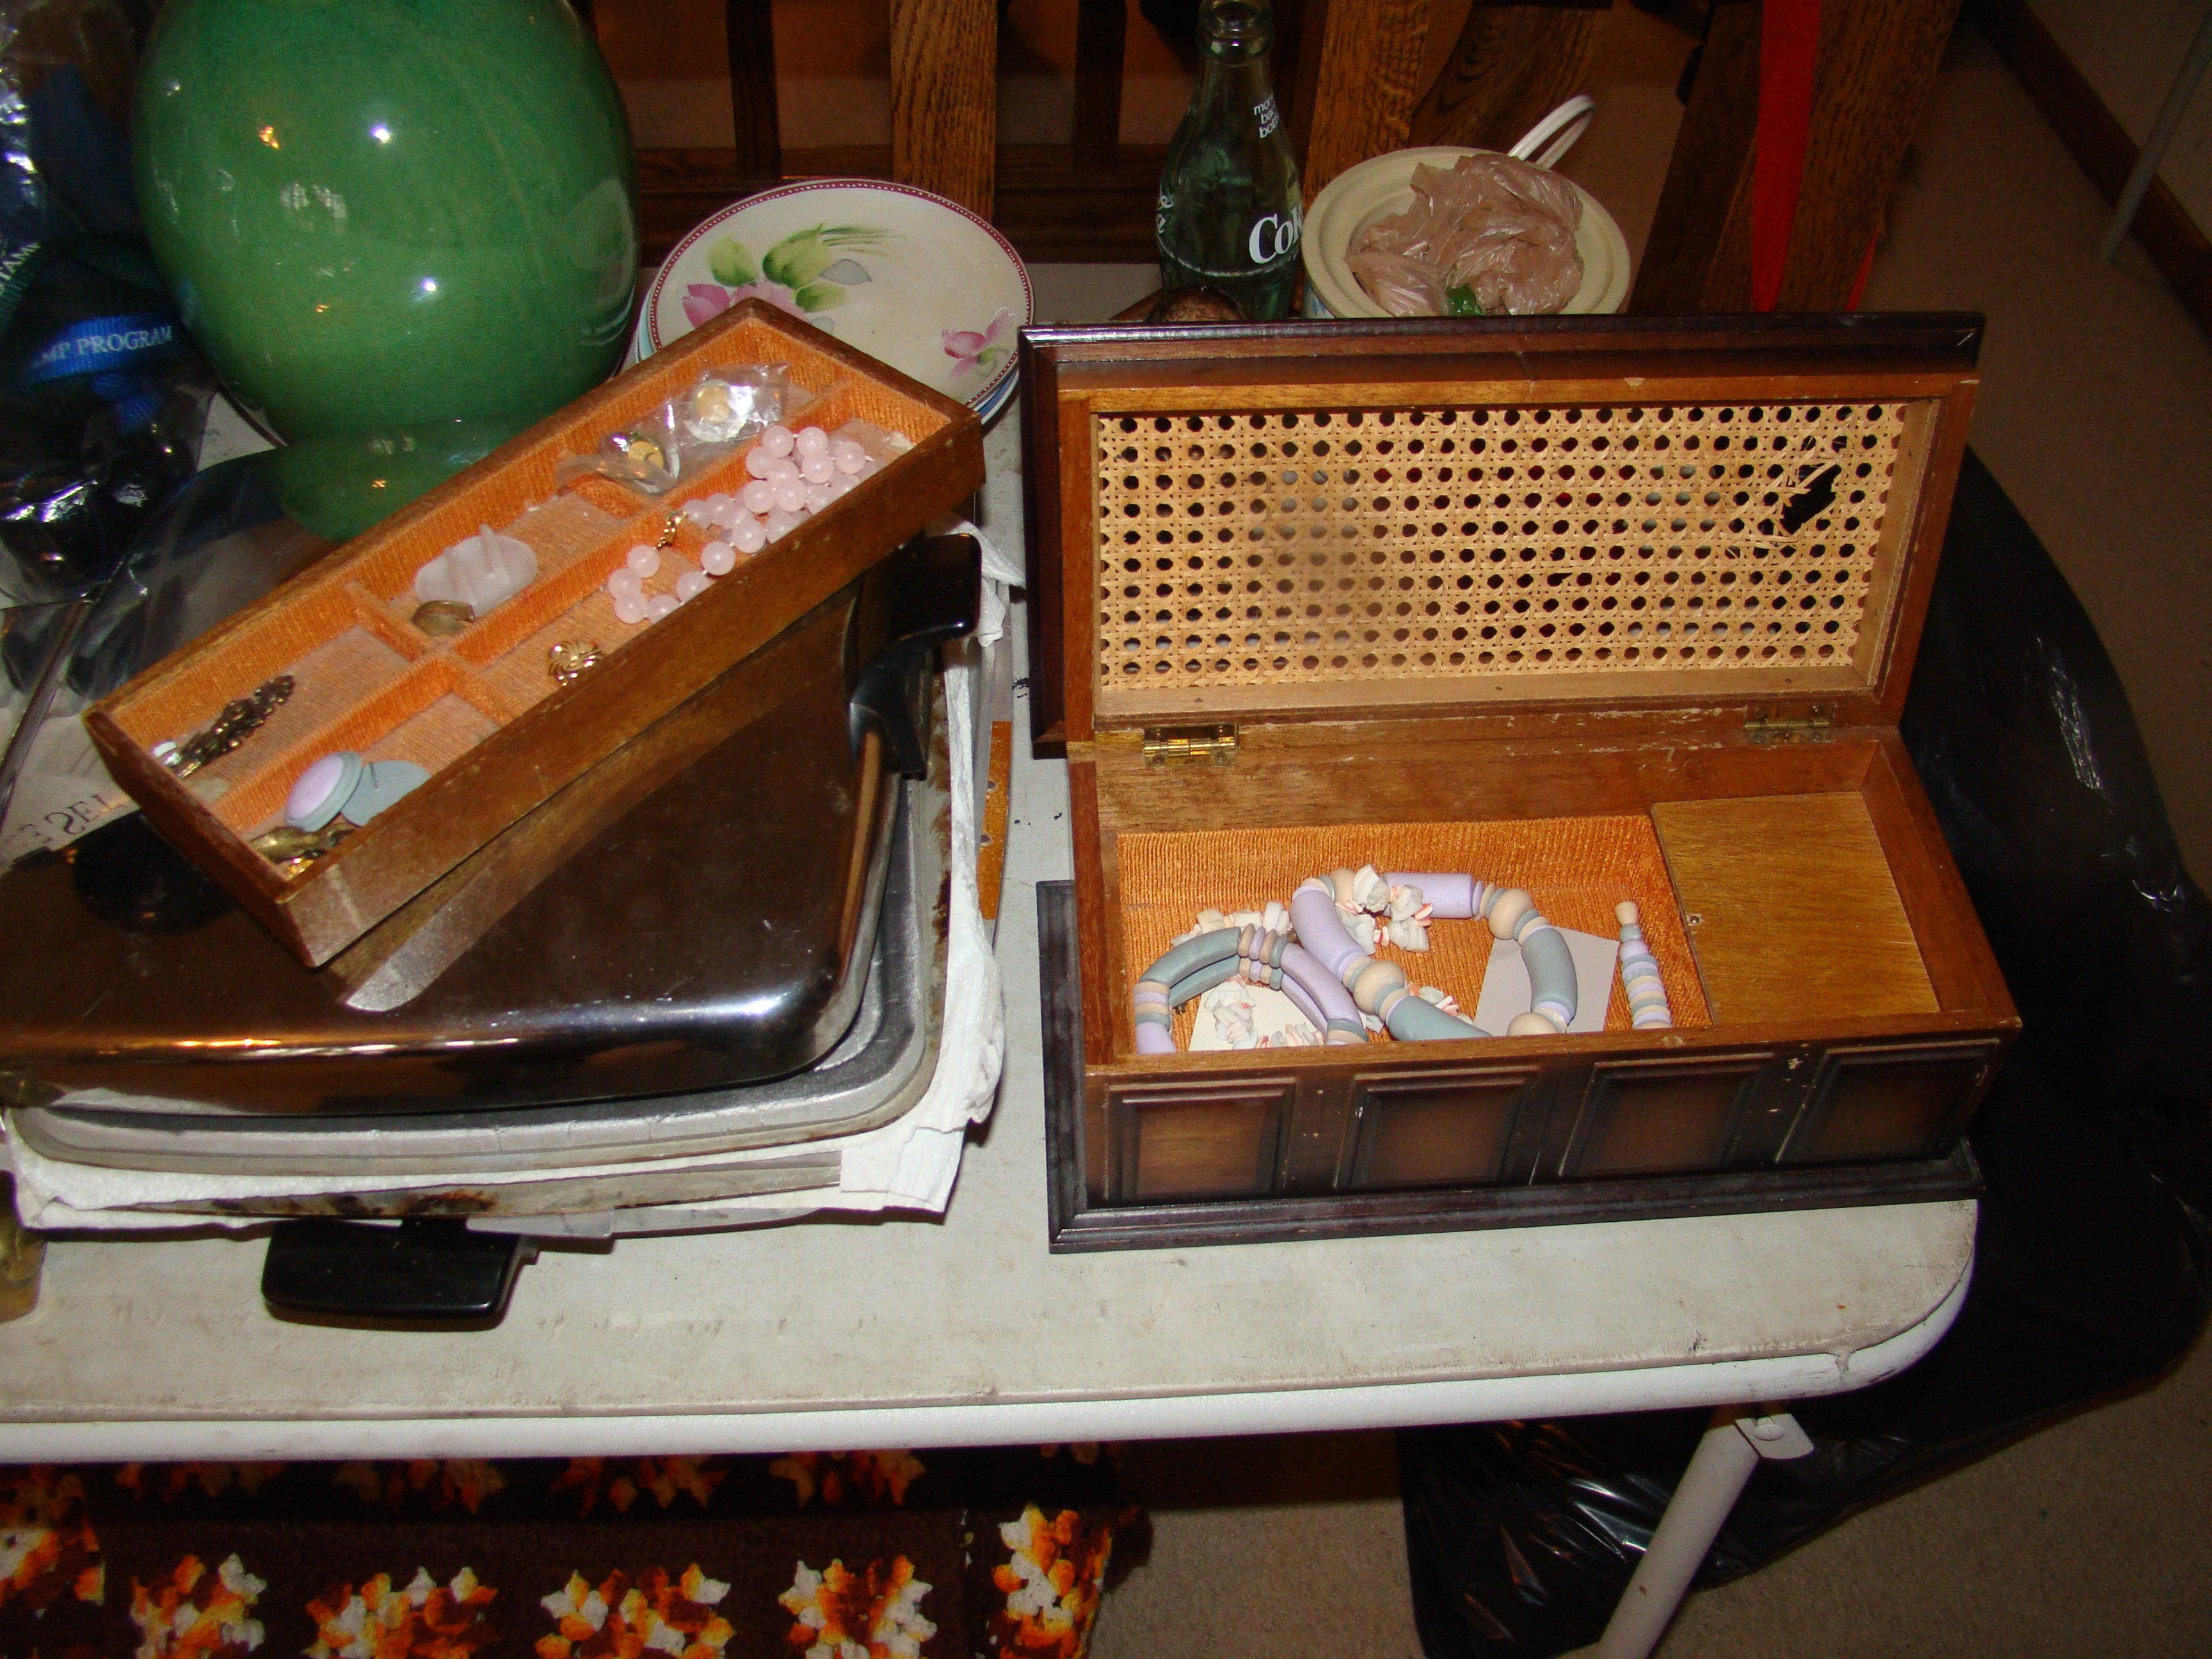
{"x": 907, "y": 277}
{"x": 1383, "y": 185}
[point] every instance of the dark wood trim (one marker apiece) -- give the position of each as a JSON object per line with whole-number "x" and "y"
{"x": 2176, "y": 243}
{"x": 1794, "y": 343}
{"x": 759, "y": 152}
{"x": 1101, "y": 33}
{"x": 1268, "y": 1221}
{"x": 1058, "y": 992}
{"x": 1300, "y": 27}
{"x": 1096, "y": 976}
{"x": 1974, "y": 1060}
{"x": 1040, "y": 379}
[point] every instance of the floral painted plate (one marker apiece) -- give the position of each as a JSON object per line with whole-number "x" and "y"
{"x": 905, "y": 275}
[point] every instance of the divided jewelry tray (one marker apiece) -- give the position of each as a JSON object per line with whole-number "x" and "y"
{"x": 480, "y": 709}
{"x": 1607, "y": 609}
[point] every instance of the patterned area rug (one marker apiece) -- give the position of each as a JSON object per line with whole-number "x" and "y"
{"x": 861, "y": 1555}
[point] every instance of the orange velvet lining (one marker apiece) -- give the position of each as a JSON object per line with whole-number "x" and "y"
{"x": 1577, "y": 869}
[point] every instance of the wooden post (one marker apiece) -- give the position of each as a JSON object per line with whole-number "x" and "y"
{"x": 1100, "y": 33}
{"x": 1698, "y": 255}
{"x": 944, "y": 108}
{"x": 1296, "y": 67}
{"x": 1512, "y": 66}
{"x": 752, "y": 89}
{"x": 1876, "y": 65}
{"x": 1369, "y": 82}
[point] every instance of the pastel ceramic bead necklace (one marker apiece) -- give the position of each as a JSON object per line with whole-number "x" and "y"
{"x": 1333, "y": 981}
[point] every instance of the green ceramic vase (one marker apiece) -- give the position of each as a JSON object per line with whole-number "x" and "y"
{"x": 404, "y": 229}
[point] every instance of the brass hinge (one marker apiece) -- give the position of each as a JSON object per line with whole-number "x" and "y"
{"x": 1168, "y": 745}
{"x": 1765, "y": 727}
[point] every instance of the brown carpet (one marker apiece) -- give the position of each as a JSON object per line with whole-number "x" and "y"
{"x": 2091, "y": 1538}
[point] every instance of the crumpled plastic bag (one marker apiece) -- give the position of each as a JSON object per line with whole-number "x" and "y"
{"x": 2093, "y": 1260}
{"x": 102, "y": 395}
{"x": 1489, "y": 235}
{"x": 670, "y": 443}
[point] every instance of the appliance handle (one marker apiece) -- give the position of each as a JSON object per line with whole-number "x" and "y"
{"x": 421, "y": 1273}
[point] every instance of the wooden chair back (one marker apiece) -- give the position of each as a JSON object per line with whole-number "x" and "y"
{"x": 1348, "y": 76}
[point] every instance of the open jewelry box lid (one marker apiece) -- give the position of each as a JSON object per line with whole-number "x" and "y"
{"x": 480, "y": 710}
{"x": 1671, "y": 525}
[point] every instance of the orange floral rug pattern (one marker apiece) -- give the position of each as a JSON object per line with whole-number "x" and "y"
{"x": 425, "y": 1620}
{"x": 618, "y": 1620}
{"x": 1052, "y": 1579}
{"x": 198, "y": 1614}
{"x": 447, "y": 1480}
{"x": 247, "y": 1560}
{"x": 48, "y": 1549}
{"x": 170, "y": 1481}
{"x": 840, "y": 1477}
{"x": 875, "y": 1614}
{"x": 620, "y": 1480}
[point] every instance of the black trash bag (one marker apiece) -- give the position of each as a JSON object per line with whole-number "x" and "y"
{"x": 2094, "y": 1264}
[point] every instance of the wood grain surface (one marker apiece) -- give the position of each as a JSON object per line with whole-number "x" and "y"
{"x": 1791, "y": 909}
{"x": 1876, "y": 65}
{"x": 1100, "y": 33}
{"x": 944, "y": 98}
{"x": 1369, "y": 82}
{"x": 1511, "y": 66}
{"x": 1697, "y": 258}
{"x": 991, "y": 850}
{"x": 751, "y": 31}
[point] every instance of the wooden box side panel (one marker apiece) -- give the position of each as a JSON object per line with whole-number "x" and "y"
{"x": 1793, "y": 910}
{"x": 1268, "y": 1152}
{"x": 1731, "y": 1108}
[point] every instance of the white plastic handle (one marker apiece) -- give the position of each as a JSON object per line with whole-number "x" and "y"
{"x": 1559, "y": 130}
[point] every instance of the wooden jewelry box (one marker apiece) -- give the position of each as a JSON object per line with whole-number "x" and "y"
{"x": 481, "y": 709}
{"x": 1607, "y": 609}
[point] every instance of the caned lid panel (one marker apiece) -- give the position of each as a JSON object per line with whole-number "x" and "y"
{"x": 1252, "y": 557}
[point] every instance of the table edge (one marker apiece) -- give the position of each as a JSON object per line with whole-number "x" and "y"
{"x": 1689, "y": 1382}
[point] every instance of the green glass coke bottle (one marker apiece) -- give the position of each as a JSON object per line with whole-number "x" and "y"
{"x": 1230, "y": 212}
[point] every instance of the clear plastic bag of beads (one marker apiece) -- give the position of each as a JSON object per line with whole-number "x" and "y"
{"x": 721, "y": 409}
